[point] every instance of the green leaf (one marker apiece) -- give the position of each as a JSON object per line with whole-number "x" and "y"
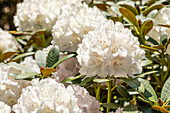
{"x": 149, "y": 91}
{"x": 153, "y": 41}
{"x": 142, "y": 99}
{"x": 131, "y": 8}
{"x": 165, "y": 94}
{"x": 130, "y": 109}
{"x": 147, "y": 73}
{"x": 25, "y": 75}
{"x": 101, "y": 80}
{"x": 151, "y": 8}
{"x": 72, "y": 78}
{"x": 143, "y": 87}
{"x": 23, "y": 55}
{"x": 20, "y": 67}
{"x": 123, "y": 91}
{"x": 146, "y": 62}
{"x": 146, "y": 27}
{"x": 129, "y": 16}
{"x": 40, "y": 58}
{"x": 86, "y": 80}
{"x": 7, "y": 55}
{"x": 62, "y": 60}
{"x": 111, "y": 105}
{"x": 164, "y": 39}
{"x": 53, "y": 56}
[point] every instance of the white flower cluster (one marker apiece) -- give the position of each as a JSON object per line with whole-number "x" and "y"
{"x": 37, "y": 14}
{"x": 75, "y": 21}
{"x": 48, "y": 96}
{"x": 4, "y": 108}
{"x": 10, "y": 89}
{"x": 162, "y": 18}
{"x": 7, "y": 41}
{"x": 110, "y": 50}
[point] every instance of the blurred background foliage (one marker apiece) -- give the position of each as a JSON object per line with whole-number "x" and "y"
{"x": 7, "y": 11}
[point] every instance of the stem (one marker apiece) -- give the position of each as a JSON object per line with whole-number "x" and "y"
{"x": 117, "y": 85}
{"x": 166, "y": 74}
{"x": 98, "y": 92}
{"x": 162, "y": 70}
{"x": 109, "y": 94}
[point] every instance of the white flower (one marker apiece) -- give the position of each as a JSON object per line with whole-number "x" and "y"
{"x": 110, "y": 50}
{"x": 4, "y": 108}
{"x": 75, "y": 21}
{"x": 37, "y": 14}
{"x": 86, "y": 102}
{"x": 162, "y": 18}
{"x": 7, "y": 41}
{"x": 48, "y": 96}
{"x": 10, "y": 89}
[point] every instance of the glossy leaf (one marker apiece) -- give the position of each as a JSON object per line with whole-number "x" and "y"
{"x": 20, "y": 67}
{"x": 146, "y": 27}
{"x": 147, "y": 73}
{"x": 164, "y": 39}
{"x": 25, "y": 75}
{"x": 72, "y": 78}
{"x": 165, "y": 94}
{"x": 62, "y": 60}
{"x": 151, "y": 8}
{"x": 86, "y": 80}
{"x": 149, "y": 91}
{"x": 40, "y": 58}
{"x": 153, "y": 41}
{"x": 7, "y": 55}
{"x": 53, "y": 56}
{"x": 131, "y": 8}
{"x": 123, "y": 91}
{"x": 111, "y": 105}
{"x": 101, "y": 80}
{"x": 23, "y": 55}
{"x": 129, "y": 16}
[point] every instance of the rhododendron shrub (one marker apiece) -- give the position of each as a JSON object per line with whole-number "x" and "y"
{"x": 86, "y": 56}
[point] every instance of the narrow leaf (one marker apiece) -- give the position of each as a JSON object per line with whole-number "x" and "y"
{"x": 40, "y": 58}
{"x": 101, "y": 80}
{"x": 123, "y": 91}
{"x": 7, "y": 55}
{"x": 129, "y": 16}
{"x": 153, "y": 41}
{"x": 20, "y": 67}
{"x": 62, "y": 60}
{"x": 131, "y": 8}
{"x": 165, "y": 94}
{"x": 146, "y": 27}
{"x": 86, "y": 80}
{"x": 25, "y": 75}
{"x": 111, "y": 105}
{"x": 153, "y": 8}
{"x": 53, "y": 56}
{"x": 23, "y": 55}
{"x": 149, "y": 91}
